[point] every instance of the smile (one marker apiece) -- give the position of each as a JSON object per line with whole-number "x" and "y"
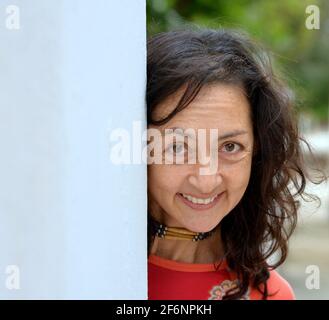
{"x": 199, "y": 203}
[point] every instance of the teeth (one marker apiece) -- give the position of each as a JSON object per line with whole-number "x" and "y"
{"x": 198, "y": 200}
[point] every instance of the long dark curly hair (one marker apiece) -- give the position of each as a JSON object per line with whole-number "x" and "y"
{"x": 266, "y": 216}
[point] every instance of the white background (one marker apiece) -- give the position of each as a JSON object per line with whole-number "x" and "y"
{"x": 74, "y": 223}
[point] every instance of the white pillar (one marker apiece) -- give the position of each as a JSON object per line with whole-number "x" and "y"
{"x": 72, "y": 223}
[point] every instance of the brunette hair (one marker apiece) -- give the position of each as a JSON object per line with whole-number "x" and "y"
{"x": 264, "y": 219}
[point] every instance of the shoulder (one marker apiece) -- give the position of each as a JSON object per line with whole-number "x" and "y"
{"x": 278, "y": 288}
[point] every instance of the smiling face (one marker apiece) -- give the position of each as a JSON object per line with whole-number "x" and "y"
{"x": 178, "y": 194}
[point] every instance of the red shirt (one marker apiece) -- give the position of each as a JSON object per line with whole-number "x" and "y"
{"x": 173, "y": 280}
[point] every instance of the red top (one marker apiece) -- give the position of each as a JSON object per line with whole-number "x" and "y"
{"x": 173, "y": 280}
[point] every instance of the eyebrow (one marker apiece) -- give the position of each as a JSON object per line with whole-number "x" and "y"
{"x": 226, "y": 135}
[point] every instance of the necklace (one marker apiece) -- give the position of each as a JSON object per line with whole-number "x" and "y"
{"x": 162, "y": 231}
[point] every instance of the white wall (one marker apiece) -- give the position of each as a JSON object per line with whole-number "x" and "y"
{"x": 71, "y": 221}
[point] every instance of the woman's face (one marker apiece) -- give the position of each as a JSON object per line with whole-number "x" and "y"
{"x": 171, "y": 186}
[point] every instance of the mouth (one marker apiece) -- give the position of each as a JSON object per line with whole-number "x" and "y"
{"x": 199, "y": 203}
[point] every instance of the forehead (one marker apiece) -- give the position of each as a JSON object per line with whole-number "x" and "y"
{"x": 215, "y": 106}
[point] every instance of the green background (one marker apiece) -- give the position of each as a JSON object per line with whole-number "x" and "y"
{"x": 300, "y": 55}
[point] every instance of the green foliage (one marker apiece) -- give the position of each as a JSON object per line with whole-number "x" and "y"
{"x": 278, "y": 25}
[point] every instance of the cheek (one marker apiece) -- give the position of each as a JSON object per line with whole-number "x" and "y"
{"x": 236, "y": 181}
{"x": 237, "y": 177}
{"x": 163, "y": 181}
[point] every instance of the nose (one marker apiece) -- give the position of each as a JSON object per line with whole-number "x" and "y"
{"x": 206, "y": 184}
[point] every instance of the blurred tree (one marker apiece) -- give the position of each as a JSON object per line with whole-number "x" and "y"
{"x": 278, "y": 25}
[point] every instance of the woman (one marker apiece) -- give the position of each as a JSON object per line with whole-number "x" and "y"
{"x": 210, "y": 234}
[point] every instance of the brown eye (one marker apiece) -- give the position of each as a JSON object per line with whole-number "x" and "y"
{"x": 176, "y": 148}
{"x": 230, "y": 147}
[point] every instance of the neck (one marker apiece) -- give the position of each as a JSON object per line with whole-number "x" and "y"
{"x": 205, "y": 251}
